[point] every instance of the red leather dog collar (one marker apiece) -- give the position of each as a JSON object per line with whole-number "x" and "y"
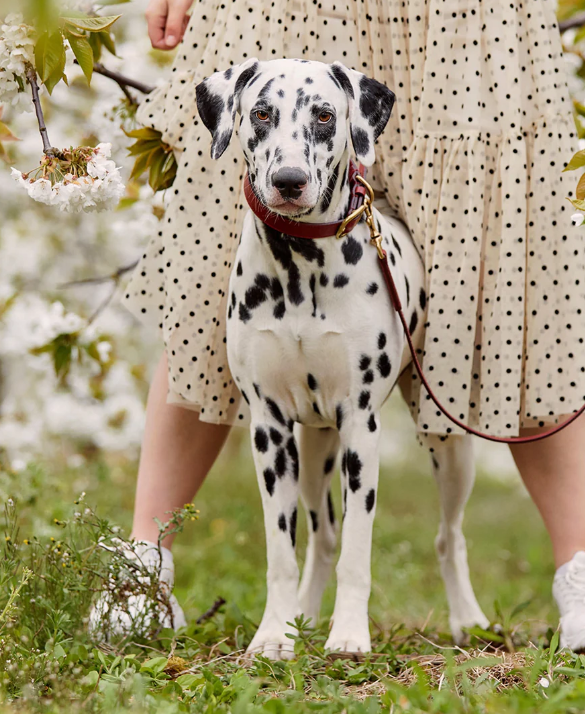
{"x": 299, "y": 229}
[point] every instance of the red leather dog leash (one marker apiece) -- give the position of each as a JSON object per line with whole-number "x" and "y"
{"x": 359, "y": 191}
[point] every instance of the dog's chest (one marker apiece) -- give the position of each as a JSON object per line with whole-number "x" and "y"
{"x": 310, "y": 324}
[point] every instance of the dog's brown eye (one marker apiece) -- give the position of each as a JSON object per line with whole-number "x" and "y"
{"x": 263, "y": 116}
{"x": 324, "y": 117}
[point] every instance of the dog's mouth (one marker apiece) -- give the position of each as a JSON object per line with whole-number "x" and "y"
{"x": 289, "y": 208}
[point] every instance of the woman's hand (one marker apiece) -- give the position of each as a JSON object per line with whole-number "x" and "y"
{"x": 167, "y": 20}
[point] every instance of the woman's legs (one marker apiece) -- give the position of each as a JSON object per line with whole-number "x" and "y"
{"x": 553, "y": 471}
{"x": 177, "y": 452}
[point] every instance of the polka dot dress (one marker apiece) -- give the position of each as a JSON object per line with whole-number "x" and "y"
{"x": 471, "y": 161}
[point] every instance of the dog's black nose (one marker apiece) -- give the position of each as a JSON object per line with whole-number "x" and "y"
{"x": 289, "y": 181}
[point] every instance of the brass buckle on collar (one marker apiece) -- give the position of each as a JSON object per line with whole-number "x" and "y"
{"x": 375, "y": 237}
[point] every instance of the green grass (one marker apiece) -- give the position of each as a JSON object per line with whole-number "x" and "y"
{"x": 414, "y": 666}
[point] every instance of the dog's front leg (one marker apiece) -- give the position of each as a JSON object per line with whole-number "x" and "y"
{"x": 350, "y": 631}
{"x": 277, "y": 468}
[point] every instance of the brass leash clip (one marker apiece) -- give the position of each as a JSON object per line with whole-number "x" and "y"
{"x": 375, "y": 237}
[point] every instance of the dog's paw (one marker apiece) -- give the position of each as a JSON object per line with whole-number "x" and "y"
{"x": 462, "y": 621}
{"x": 353, "y": 642}
{"x": 272, "y": 643}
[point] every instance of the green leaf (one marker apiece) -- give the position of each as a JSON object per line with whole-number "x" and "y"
{"x": 107, "y": 41}
{"x": 49, "y": 55}
{"x": 580, "y": 190}
{"x": 577, "y": 162}
{"x": 155, "y": 665}
{"x": 144, "y": 133}
{"x": 96, "y": 45}
{"x": 6, "y": 134}
{"x": 90, "y": 679}
{"x": 142, "y": 146}
{"x": 83, "y": 54}
{"x": 554, "y": 645}
{"x": 156, "y": 166}
{"x": 578, "y": 204}
{"x": 141, "y": 164}
{"x": 92, "y": 24}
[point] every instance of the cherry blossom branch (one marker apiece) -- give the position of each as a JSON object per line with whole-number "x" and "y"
{"x": 575, "y": 21}
{"x": 31, "y": 76}
{"x": 121, "y": 80}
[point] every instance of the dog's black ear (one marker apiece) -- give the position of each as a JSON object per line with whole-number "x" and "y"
{"x": 218, "y": 100}
{"x": 370, "y": 106}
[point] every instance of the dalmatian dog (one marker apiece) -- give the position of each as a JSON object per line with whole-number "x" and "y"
{"x": 315, "y": 345}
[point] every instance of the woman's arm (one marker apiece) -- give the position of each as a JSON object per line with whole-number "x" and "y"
{"x": 167, "y": 20}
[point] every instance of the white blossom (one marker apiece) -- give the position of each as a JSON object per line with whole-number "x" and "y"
{"x": 99, "y": 190}
{"x": 16, "y": 51}
{"x": 578, "y": 219}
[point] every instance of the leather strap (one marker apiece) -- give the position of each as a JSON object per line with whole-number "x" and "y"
{"x": 395, "y": 299}
{"x": 299, "y": 229}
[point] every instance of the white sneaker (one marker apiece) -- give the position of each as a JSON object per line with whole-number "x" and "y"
{"x": 118, "y": 612}
{"x": 569, "y": 592}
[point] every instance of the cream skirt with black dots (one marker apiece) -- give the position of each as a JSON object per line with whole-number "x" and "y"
{"x": 471, "y": 161}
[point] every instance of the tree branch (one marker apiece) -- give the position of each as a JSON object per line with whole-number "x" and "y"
{"x": 121, "y": 80}
{"x": 31, "y": 76}
{"x": 575, "y": 21}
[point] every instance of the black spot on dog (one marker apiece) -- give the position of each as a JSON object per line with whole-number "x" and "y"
{"x": 312, "y": 286}
{"x": 255, "y": 296}
{"x": 265, "y": 89}
{"x": 274, "y": 409}
{"x": 384, "y": 366}
{"x": 261, "y": 440}
{"x": 360, "y": 140}
{"x": 340, "y": 281}
{"x": 308, "y": 249}
{"x": 407, "y": 290}
{"x": 352, "y": 251}
{"x": 413, "y": 322}
{"x": 312, "y": 382}
{"x": 280, "y": 93}
{"x": 279, "y": 310}
{"x": 365, "y": 362}
{"x": 397, "y": 246}
{"x": 276, "y": 291}
{"x": 372, "y": 288}
{"x": 329, "y": 464}
{"x": 370, "y": 500}
{"x": 244, "y": 313}
{"x": 392, "y": 258}
{"x": 280, "y": 463}
{"x": 368, "y": 377}
{"x": 293, "y": 527}
{"x": 293, "y": 453}
{"x": 269, "y": 480}
{"x": 381, "y": 341}
{"x": 323, "y": 280}
{"x": 353, "y": 470}
{"x": 239, "y": 269}
{"x": 262, "y": 281}
{"x": 364, "y": 399}
{"x": 257, "y": 390}
{"x": 245, "y": 397}
{"x": 422, "y": 299}
{"x": 275, "y": 436}
{"x": 308, "y": 80}
{"x": 282, "y": 522}
{"x": 331, "y": 184}
{"x": 372, "y": 426}
{"x": 341, "y": 79}
{"x": 316, "y": 408}
{"x": 330, "y": 508}
{"x": 339, "y": 416}
{"x": 314, "y": 520}
{"x": 234, "y": 299}
{"x": 228, "y": 73}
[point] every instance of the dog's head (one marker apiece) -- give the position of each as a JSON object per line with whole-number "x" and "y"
{"x": 294, "y": 124}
